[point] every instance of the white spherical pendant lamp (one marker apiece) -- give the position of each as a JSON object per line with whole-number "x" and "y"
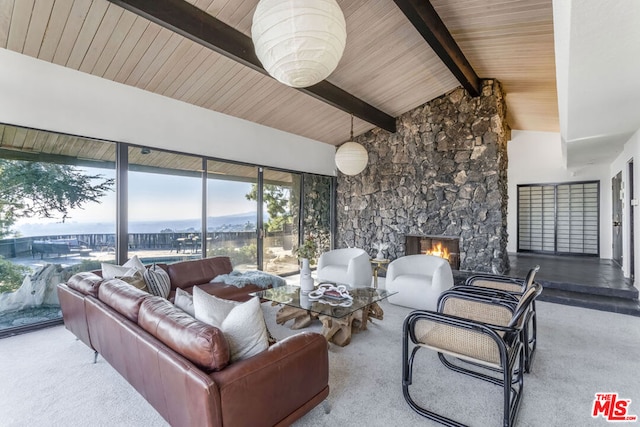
{"x": 299, "y": 42}
{"x": 351, "y": 157}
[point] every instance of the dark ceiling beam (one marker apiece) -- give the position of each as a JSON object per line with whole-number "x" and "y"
{"x": 202, "y": 28}
{"x": 426, "y": 20}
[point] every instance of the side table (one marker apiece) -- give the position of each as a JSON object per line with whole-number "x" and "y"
{"x": 377, "y": 265}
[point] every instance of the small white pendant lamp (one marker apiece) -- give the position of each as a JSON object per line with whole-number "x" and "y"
{"x": 351, "y": 157}
{"x": 299, "y": 42}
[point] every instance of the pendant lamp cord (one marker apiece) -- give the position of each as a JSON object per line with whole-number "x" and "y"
{"x": 351, "y": 138}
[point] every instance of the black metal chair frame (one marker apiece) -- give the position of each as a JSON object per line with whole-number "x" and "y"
{"x": 510, "y": 346}
{"x": 531, "y": 328}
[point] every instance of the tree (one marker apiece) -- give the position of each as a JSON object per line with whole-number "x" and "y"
{"x": 278, "y": 200}
{"x": 11, "y": 275}
{"x": 44, "y": 190}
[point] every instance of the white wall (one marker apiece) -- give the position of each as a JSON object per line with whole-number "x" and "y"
{"x": 630, "y": 152}
{"x": 536, "y": 158}
{"x": 46, "y": 96}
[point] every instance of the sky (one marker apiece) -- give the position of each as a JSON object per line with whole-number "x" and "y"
{"x": 155, "y": 197}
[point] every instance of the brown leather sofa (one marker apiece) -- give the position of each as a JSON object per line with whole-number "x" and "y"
{"x": 181, "y": 365}
{"x": 183, "y": 274}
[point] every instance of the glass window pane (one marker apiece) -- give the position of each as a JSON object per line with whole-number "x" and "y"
{"x": 164, "y": 205}
{"x": 232, "y": 213}
{"x": 281, "y": 207}
{"x": 57, "y": 218}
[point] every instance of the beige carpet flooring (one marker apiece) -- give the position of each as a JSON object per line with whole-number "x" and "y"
{"x": 47, "y": 377}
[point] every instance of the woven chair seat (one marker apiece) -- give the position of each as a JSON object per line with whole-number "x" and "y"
{"x": 462, "y": 343}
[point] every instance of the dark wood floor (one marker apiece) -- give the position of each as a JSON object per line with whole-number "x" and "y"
{"x": 580, "y": 281}
{"x": 585, "y": 271}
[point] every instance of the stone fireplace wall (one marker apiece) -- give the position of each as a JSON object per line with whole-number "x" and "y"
{"x": 443, "y": 172}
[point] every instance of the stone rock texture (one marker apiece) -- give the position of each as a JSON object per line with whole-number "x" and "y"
{"x": 444, "y": 172}
{"x": 37, "y": 290}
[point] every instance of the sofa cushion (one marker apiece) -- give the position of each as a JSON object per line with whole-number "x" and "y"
{"x": 224, "y": 291}
{"x": 86, "y": 283}
{"x": 189, "y": 273}
{"x": 184, "y": 301}
{"x": 241, "y": 322}
{"x": 111, "y": 271}
{"x": 202, "y": 344}
{"x": 122, "y": 297}
{"x": 157, "y": 281}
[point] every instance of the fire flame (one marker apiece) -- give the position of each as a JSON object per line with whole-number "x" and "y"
{"x": 438, "y": 250}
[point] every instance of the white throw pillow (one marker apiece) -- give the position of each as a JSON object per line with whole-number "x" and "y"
{"x": 242, "y": 323}
{"x": 158, "y": 281}
{"x": 110, "y": 271}
{"x": 134, "y": 262}
{"x": 184, "y": 301}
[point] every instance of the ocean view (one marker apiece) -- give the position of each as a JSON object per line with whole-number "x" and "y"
{"x": 236, "y": 222}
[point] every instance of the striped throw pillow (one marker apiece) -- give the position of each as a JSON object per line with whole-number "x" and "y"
{"x": 157, "y": 281}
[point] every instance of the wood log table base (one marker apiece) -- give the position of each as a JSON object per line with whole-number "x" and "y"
{"x": 335, "y": 330}
{"x": 301, "y": 317}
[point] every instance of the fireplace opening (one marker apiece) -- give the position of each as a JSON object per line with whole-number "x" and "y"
{"x": 447, "y": 247}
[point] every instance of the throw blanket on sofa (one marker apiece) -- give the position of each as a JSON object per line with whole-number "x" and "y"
{"x": 259, "y": 278}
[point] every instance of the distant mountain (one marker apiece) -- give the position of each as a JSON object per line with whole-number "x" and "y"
{"x": 236, "y": 222}
{"x": 214, "y": 222}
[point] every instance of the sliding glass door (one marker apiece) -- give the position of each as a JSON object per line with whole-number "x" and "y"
{"x": 253, "y": 216}
{"x": 232, "y": 213}
{"x": 281, "y": 220}
{"x": 57, "y": 218}
{"x": 164, "y": 205}
{"x": 68, "y": 204}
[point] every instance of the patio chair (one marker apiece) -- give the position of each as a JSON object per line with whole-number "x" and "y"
{"x": 177, "y": 245}
{"x": 515, "y": 287}
{"x": 473, "y": 334}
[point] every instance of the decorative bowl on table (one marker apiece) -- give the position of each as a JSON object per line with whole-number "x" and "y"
{"x": 332, "y": 294}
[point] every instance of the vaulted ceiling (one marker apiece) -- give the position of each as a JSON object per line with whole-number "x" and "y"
{"x": 386, "y": 64}
{"x": 598, "y": 51}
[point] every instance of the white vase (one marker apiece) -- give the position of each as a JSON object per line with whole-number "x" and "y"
{"x": 306, "y": 281}
{"x": 305, "y": 302}
{"x": 379, "y": 255}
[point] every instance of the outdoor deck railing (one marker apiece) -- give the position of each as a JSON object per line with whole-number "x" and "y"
{"x": 23, "y": 246}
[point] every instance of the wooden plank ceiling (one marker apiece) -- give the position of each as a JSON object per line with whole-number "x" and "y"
{"x": 513, "y": 42}
{"x": 20, "y": 143}
{"x": 386, "y": 62}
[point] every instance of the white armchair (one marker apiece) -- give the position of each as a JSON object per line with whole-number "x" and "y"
{"x": 419, "y": 281}
{"x": 350, "y": 266}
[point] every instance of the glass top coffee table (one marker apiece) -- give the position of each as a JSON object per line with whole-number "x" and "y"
{"x": 340, "y": 317}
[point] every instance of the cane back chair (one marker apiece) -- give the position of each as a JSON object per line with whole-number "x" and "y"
{"x": 515, "y": 287}
{"x": 474, "y": 334}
